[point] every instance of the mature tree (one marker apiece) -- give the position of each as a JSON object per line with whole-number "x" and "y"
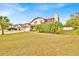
{"x": 73, "y": 21}
{"x": 4, "y": 22}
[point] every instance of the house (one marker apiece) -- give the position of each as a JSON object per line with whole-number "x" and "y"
{"x": 40, "y": 20}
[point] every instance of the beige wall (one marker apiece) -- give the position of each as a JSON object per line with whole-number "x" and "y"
{"x": 38, "y": 21}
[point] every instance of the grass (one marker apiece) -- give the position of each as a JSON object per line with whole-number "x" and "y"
{"x": 39, "y": 44}
{"x": 70, "y": 32}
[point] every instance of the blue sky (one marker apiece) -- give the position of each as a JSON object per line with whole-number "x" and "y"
{"x": 25, "y": 12}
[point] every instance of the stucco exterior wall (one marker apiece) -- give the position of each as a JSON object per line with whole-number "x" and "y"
{"x": 38, "y": 21}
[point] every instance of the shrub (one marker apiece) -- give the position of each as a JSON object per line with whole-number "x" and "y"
{"x": 60, "y": 31}
{"x": 49, "y": 28}
{"x": 55, "y": 27}
{"x": 77, "y": 31}
{"x": 38, "y": 27}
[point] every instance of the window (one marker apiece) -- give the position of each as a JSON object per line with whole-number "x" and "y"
{"x": 35, "y": 22}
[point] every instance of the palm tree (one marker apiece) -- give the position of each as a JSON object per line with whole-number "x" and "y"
{"x": 4, "y": 22}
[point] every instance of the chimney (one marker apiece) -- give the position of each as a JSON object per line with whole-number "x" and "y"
{"x": 56, "y": 16}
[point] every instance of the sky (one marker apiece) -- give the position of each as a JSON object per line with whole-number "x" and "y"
{"x": 26, "y": 12}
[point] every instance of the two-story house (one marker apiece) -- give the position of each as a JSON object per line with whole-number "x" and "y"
{"x": 40, "y": 20}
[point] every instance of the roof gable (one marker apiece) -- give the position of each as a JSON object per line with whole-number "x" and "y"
{"x": 36, "y": 18}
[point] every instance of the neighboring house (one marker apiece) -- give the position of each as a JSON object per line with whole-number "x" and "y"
{"x": 17, "y": 26}
{"x": 22, "y": 27}
{"x": 26, "y": 27}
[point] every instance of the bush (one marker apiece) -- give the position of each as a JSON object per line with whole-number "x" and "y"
{"x": 59, "y": 31}
{"x": 55, "y": 27}
{"x": 49, "y": 28}
{"x": 38, "y": 28}
{"x": 77, "y": 31}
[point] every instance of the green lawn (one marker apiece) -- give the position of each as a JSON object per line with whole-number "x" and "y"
{"x": 41, "y": 44}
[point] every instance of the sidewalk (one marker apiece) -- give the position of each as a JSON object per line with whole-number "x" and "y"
{"x": 11, "y": 32}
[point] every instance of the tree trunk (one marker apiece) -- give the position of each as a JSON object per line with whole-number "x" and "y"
{"x": 2, "y": 30}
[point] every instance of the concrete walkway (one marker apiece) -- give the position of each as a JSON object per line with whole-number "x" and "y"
{"x": 11, "y": 32}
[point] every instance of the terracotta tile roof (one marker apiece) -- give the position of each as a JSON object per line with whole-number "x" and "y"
{"x": 49, "y": 20}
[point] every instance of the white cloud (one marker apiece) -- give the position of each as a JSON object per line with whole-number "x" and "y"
{"x": 21, "y": 9}
{"x": 61, "y": 5}
{"x": 36, "y": 14}
{"x": 45, "y": 7}
{"x": 17, "y": 7}
{"x": 5, "y": 13}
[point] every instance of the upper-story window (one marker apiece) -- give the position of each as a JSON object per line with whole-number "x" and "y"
{"x": 35, "y": 22}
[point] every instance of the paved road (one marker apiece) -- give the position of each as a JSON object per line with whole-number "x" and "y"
{"x": 10, "y": 32}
